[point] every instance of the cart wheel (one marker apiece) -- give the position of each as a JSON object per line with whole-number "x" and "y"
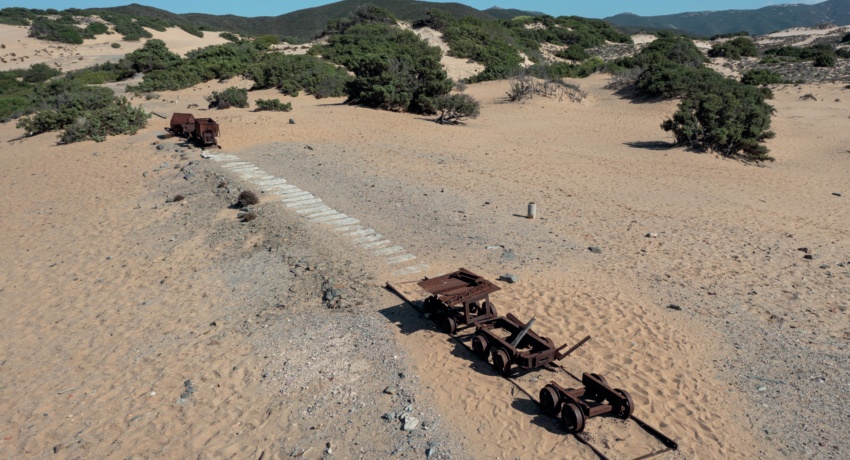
{"x": 449, "y": 325}
{"x": 573, "y": 418}
{"x": 550, "y": 401}
{"x": 628, "y": 406}
{"x": 501, "y": 361}
{"x": 600, "y": 378}
{"x": 481, "y": 346}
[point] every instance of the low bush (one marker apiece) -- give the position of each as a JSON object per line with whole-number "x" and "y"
{"x": 295, "y": 73}
{"x": 822, "y": 54}
{"x": 230, "y": 97}
{"x": 735, "y": 48}
{"x": 272, "y": 105}
{"x": 454, "y": 108}
{"x": 247, "y": 198}
{"x": 725, "y": 116}
{"x": 762, "y": 77}
{"x": 83, "y": 112}
{"x": 39, "y": 73}
{"x": 229, "y": 37}
{"x": 116, "y": 45}
{"x": 43, "y": 28}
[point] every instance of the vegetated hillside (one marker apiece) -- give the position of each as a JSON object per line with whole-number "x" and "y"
{"x": 760, "y": 21}
{"x": 304, "y": 25}
{"x": 510, "y": 13}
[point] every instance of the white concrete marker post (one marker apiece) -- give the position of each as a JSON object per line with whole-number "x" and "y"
{"x": 532, "y": 210}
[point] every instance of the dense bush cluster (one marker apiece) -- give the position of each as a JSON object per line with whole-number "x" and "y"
{"x": 230, "y": 97}
{"x": 735, "y": 48}
{"x": 742, "y": 33}
{"x": 83, "y": 112}
{"x": 822, "y": 54}
{"x": 715, "y": 113}
{"x": 295, "y": 73}
{"x": 39, "y": 73}
{"x": 497, "y": 44}
{"x": 762, "y": 77}
{"x": 393, "y": 68}
{"x": 272, "y": 105}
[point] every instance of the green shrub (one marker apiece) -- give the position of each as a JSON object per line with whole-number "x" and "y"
{"x": 295, "y": 73}
{"x": 583, "y": 70}
{"x": 94, "y": 29}
{"x": 16, "y": 16}
{"x": 84, "y": 112}
{"x": 38, "y": 73}
{"x": 43, "y": 28}
{"x": 673, "y": 81}
{"x": 846, "y": 38}
{"x": 393, "y": 68}
{"x": 822, "y": 54}
{"x": 116, "y": 45}
{"x": 273, "y": 105}
{"x": 734, "y": 49}
{"x": 574, "y": 53}
{"x": 727, "y": 117}
{"x": 230, "y": 97}
{"x": 454, "y": 108}
{"x": 762, "y": 77}
{"x": 742, "y": 33}
{"x": 229, "y": 37}
{"x": 154, "y": 55}
{"x": 824, "y": 60}
{"x": 364, "y": 14}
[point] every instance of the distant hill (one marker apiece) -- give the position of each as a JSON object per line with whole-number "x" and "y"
{"x": 761, "y": 21}
{"x": 304, "y": 25}
{"x": 510, "y": 13}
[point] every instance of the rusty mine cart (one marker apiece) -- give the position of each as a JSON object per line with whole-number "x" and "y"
{"x": 200, "y": 130}
{"x": 459, "y": 298}
{"x": 512, "y": 342}
{"x": 575, "y": 406}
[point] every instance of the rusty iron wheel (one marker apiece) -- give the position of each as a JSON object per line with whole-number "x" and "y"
{"x": 628, "y": 407}
{"x": 573, "y": 418}
{"x": 600, "y": 378}
{"x": 481, "y": 346}
{"x": 550, "y": 401}
{"x": 450, "y": 325}
{"x": 501, "y": 361}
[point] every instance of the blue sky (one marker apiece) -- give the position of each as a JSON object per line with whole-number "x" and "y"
{"x": 553, "y": 7}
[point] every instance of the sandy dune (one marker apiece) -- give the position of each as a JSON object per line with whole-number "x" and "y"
{"x": 21, "y": 51}
{"x": 759, "y": 342}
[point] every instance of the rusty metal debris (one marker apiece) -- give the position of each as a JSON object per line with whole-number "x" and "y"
{"x": 460, "y": 298}
{"x": 200, "y": 130}
{"x": 511, "y": 342}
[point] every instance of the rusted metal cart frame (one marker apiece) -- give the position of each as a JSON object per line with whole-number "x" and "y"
{"x": 575, "y": 406}
{"x": 531, "y": 351}
{"x": 206, "y": 131}
{"x": 459, "y": 300}
{"x": 182, "y": 124}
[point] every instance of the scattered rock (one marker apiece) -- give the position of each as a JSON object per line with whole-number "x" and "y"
{"x": 510, "y": 278}
{"x": 390, "y": 390}
{"x": 652, "y": 235}
{"x": 836, "y": 193}
{"x": 291, "y": 121}
{"x": 410, "y": 423}
{"x": 160, "y": 147}
{"x": 810, "y": 257}
{"x": 805, "y": 250}
{"x": 494, "y": 247}
{"x": 508, "y": 255}
{"x": 824, "y": 266}
{"x": 761, "y": 388}
{"x": 389, "y": 416}
{"x": 673, "y": 306}
{"x": 595, "y": 249}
